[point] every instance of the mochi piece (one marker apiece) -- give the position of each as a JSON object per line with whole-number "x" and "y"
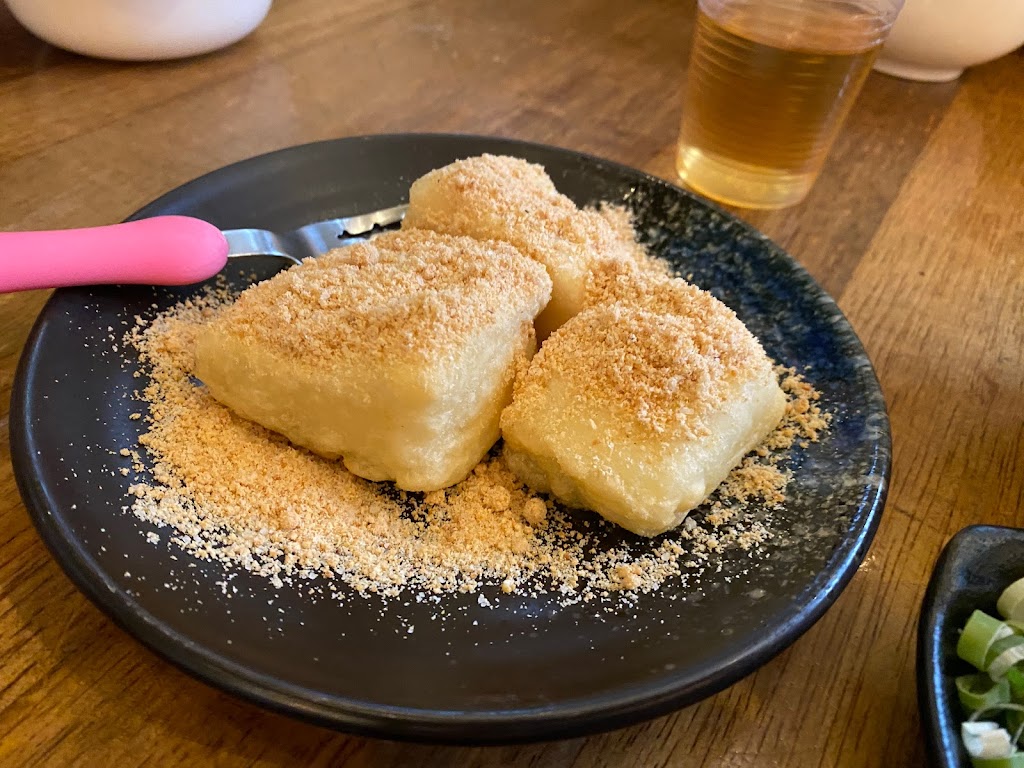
{"x": 638, "y": 407}
{"x": 505, "y": 198}
{"x": 396, "y": 354}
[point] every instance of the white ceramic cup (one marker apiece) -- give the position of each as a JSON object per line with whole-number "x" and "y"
{"x": 140, "y": 30}
{"x": 935, "y": 40}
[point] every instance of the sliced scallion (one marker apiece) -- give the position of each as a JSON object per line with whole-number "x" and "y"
{"x": 986, "y": 738}
{"x": 979, "y": 691}
{"x": 1016, "y": 760}
{"x": 1015, "y": 725}
{"x": 1011, "y": 603}
{"x": 1016, "y": 626}
{"x": 1003, "y": 654}
{"x": 987, "y": 742}
{"x": 1015, "y": 677}
{"x": 980, "y": 632}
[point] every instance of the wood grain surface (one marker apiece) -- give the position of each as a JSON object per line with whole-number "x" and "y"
{"x": 916, "y": 227}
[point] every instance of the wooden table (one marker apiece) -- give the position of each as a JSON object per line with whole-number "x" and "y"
{"x": 916, "y": 227}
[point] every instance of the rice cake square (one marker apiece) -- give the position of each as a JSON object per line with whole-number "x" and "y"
{"x": 396, "y": 354}
{"x": 505, "y": 198}
{"x": 638, "y": 407}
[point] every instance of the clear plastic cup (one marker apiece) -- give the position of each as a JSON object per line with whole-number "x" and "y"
{"x": 769, "y": 85}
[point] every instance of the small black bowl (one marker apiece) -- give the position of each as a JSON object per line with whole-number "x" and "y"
{"x": 976, "y": 566}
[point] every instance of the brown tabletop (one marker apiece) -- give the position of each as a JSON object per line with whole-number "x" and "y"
{"x": 916, "y": 227}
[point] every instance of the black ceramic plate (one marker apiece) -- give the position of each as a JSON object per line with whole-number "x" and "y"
{"x": 523, "y": 669}
{"x": 973, "y": 570}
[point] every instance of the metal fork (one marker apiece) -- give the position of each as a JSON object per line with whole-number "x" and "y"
{"x": 312, "y": 239}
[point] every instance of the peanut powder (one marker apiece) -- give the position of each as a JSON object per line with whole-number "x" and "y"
{"x": 237, "y": 493}
{"x": 411, "y": 294}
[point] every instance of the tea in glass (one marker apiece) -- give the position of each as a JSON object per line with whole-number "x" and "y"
{"x": 769, "y": 85}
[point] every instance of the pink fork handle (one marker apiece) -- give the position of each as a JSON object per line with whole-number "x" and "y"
{"x": 165, "y": 250}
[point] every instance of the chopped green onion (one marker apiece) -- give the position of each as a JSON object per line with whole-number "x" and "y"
{"x": 1015, "y": 724}
{"x": 1010, "y": 707}
{"x": 1003, "y": 654}
{"x": 973, "y": 735}
{"x": 1016, "y": 760}
{"x": 1015, "y": 677}
{"x": 979, "y": 691}
{"x": 996, "y": 648}
{"x": 1011, "y": 602}
{"x": 986, "y": 739}
{"x": 980, "y": 632}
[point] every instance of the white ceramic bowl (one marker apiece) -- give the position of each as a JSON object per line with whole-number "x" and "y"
{"x": 936, "y": 40}
{"x": 140, "y": 30}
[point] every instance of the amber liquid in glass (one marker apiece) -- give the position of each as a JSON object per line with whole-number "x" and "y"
{"x": 767, "y": 91}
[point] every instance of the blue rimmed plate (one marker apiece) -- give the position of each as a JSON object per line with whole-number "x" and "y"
{"x": 524, "y": 668}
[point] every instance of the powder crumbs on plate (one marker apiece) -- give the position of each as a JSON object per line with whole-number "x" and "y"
{"x": 620, "y": 219}
{"x": 804, "y": 421}
{"x": 237, "y": 493}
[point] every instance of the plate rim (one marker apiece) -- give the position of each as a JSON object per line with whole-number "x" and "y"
{"x": 602, "y": 712}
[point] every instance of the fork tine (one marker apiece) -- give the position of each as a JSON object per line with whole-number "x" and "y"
{"x": 312, "y": 239}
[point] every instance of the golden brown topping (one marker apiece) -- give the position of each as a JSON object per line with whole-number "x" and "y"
{"x": 620, "y": 219}
{"x": 409, "y": 293}
{"x": 717, "y": 331}
{"x": 662, "y": 373}
{"x": 804, "y": 420}
{"x": 626, "y": 283}
{"x": 235, "y": 492}
{"x": 511, "y": 199}
{"x": 534, "y": 511}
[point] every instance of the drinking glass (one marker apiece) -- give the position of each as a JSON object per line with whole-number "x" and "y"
{"x": 769, "y": 85}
